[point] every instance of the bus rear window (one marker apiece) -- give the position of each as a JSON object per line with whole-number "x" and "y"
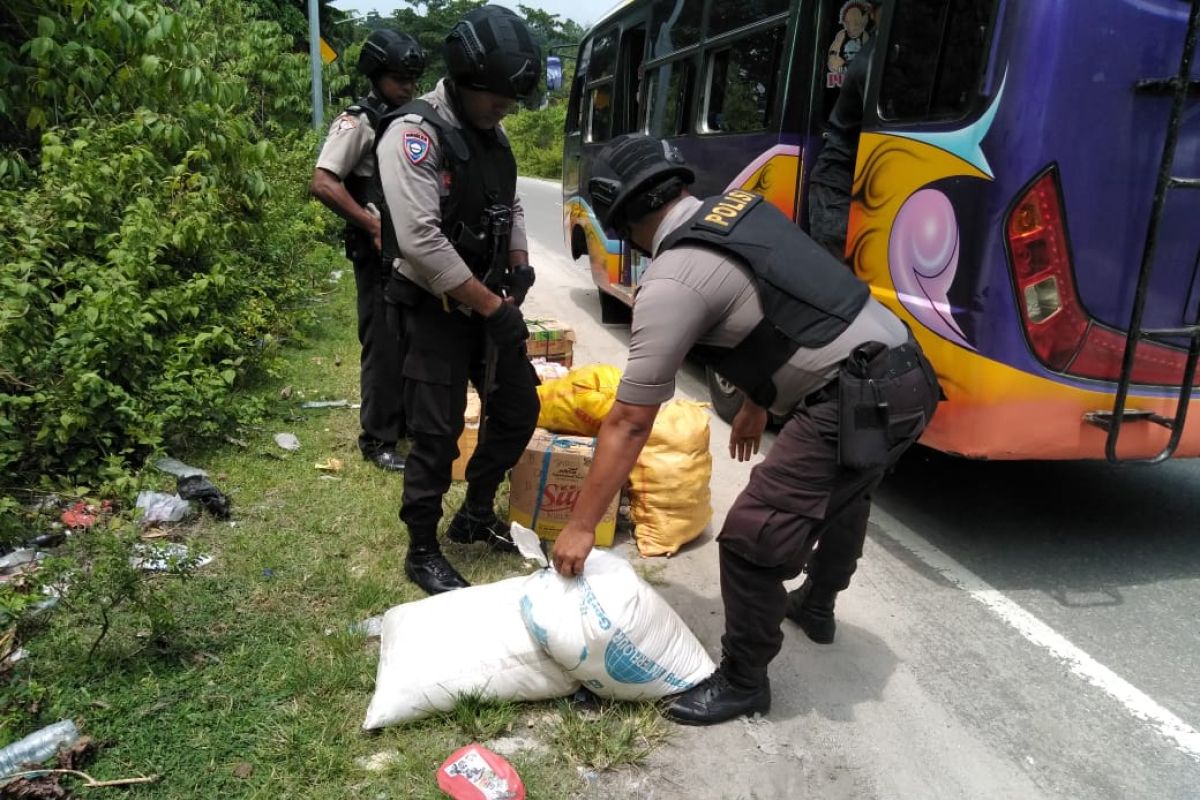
{"x": 936, "y": 54}
{"x": 675, "y": 25}
{"x": 741, "y": 83}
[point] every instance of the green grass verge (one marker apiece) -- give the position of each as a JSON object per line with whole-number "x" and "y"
{"x": 261, "y": 692}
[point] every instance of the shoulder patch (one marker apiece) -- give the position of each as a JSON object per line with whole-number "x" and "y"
{"x": 416, "y": 146}
{"x": 346, "y": 122}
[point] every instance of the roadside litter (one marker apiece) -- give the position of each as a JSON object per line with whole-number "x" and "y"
{"x": 173, "y": 466}
{"x": 163, "y": 557}
{"x": 476, "y": 773}
{"x": 326, "y": 404}
{"x": 201, "y": 489}
{"x": 287, "y": 441}
{"x": 37, "y": 746}
{"x": 158, "y": 507}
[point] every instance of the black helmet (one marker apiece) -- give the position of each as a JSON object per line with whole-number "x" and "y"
{"x": 392, "y": 51}
{"x": 635, "y": 169}
{"x": 491, "y": 50}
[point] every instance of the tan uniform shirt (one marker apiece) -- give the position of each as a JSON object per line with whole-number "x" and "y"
{"x": 693, "y": 295}
{"x": 410, "y": 164}
{"x": 348, "y": 146}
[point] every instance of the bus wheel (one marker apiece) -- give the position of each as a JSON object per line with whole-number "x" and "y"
{"x": 726, "y": 398}
{"x": 612, "y": 310}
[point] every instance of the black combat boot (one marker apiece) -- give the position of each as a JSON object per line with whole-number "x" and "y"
{"x": 428, "y": 568}
{"x": 386, "y": 458}
{"x": 727, "y": 693}
{"x": 481, "y": 525}
{"x": 811, "y": 607}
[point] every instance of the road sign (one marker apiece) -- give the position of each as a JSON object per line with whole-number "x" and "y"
{"x": 328, "y": 54}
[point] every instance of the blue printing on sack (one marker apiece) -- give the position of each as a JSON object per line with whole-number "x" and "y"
{"x": 545, "y": 476}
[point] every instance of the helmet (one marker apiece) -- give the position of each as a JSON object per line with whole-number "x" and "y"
{"x": 492, "y": 50}
{"x": 391, "y": 51}
{"x": 635, "y": 173}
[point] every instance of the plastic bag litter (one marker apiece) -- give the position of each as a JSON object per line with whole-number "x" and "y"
{"x": 162, "y": 557}
{"x": 173, "y": 466}
{"x": 670, "y": 497}
{"x": 162, "y": 507}
{"x": 326, "y": 404}
{"x": 610, "y": 630}
{"x": 578, "y": 403}
{"x": 287, "y": 441}
{"x": 201, "y": 489}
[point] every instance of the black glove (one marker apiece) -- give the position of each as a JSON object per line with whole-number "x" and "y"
{"x": 506, "y": 326}
{"x": 520, "y": 281}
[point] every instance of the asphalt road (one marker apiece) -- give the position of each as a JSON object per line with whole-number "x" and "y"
{"x": 1016, "y": 630}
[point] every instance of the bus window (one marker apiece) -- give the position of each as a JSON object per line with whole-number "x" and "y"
{"x": 630, "y": 98}
{"x": 600, "y": 113}
{"x": 729, "y": 16}
{"x": 604, "y": 56}
{"x": 936, "y": 53}
{"x": 742, "y": 77}
{"x": 675, "y": 24}
{"x": 666, "y": 99}
{"x": 574, "y": 115}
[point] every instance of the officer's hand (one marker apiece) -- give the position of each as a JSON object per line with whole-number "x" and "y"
{"x": 376, "y": 231}
{"x": 521, "y": 280}
{"x": 571, "y": 549}
{"x": 746, "y": 433}
{"x": 506, "y": 325}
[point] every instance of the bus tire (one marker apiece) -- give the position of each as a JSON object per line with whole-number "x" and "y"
{"x": 612, "y": 310}
{"x": 578, "y": 243}
{"x": 726, "y": 398}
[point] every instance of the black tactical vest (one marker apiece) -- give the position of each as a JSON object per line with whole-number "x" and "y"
{"x": 361, "y": 187}
{"x": 481, "y": 171}
{"x": 809, "y": 298}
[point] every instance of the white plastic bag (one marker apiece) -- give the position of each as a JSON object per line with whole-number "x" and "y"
{"x": 461, "y": 642}
{"x": 612, "y": 631}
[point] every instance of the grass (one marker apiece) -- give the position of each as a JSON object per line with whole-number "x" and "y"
{"x": 262, "y": 690}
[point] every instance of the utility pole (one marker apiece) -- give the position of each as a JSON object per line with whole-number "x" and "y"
{"x": 314, "y": 56}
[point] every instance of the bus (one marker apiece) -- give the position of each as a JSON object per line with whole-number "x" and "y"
{"x": 1020, "y": 192}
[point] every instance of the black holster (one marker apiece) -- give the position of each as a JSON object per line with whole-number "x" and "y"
{"x": 870, "y": 428}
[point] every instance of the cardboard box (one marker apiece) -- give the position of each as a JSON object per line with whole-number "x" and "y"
{"x": 551, "y": 340}
{"x": 546, "y": 483}
{"x": 469, "y": 440}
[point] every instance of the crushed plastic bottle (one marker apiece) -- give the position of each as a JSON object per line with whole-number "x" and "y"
{"x": 37, "y": 747}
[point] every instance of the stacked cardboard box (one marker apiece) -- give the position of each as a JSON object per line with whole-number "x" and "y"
{"x": 551, "y": 340}
{"x": 546, "y": 483}
{"x": 469, "y": 439}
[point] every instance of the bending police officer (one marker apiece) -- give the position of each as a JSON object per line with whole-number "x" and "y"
{"x": 449, "y": 178}
{"x": 343, "y": 181}
{"x": 784, "y": 321}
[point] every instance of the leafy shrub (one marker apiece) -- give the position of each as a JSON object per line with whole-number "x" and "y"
{"x": 537, "y": 140}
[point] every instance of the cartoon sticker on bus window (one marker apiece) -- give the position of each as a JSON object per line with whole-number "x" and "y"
{"x": 857, "y": 26}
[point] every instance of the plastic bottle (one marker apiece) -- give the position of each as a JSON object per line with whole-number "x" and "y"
{"x": 37, "y": 747}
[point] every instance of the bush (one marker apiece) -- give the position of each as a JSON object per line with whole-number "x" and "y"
{"x": 537, "y": 140}
{"x": 156, "y": 241}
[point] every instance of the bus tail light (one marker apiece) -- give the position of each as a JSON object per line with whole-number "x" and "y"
{"x": 1061, "y": 333}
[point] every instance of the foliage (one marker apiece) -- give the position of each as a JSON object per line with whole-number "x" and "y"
{"x": 537, "y": 140}
{"x": 154, "y": 239}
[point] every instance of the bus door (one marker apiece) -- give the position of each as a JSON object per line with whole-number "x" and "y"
{"x": 829, "y": 36}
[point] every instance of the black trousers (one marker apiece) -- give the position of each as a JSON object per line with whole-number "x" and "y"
{"x": 446, "y": 350}
{"x": 828, "y": 218}
{"x": 797, "y": 500}
{"x": 381, "y": 380}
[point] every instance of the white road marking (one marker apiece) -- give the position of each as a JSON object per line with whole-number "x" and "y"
{"x": 1136, "y": 702}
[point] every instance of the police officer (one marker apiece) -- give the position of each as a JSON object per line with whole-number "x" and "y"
{"x": 343, "y": 181}
{"x": 734, "y": 280}
{"x": 449, "y": 178}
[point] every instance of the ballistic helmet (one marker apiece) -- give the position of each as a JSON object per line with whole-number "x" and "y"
{"x": 633, "y": 175}
{"x": 391, "y": 51}
{"x": 492, "y": 50}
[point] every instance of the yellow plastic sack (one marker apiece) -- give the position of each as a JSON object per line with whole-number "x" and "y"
{"x": 578, "y": 403}
{"x": 669, "y": 493}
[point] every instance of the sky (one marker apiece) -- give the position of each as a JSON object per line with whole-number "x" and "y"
{"x": 584, "y": 12}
